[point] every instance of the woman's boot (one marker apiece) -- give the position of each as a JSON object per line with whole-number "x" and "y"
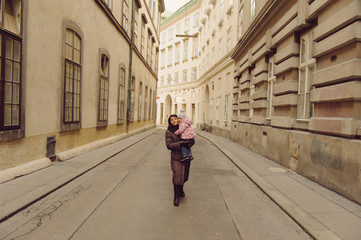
{"x": 181, "y": 192}
{"x": 176, "y": 195}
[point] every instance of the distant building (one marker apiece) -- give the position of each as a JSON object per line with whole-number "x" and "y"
{"x": 64, "y": 75}
{"x": 284, "y": 83}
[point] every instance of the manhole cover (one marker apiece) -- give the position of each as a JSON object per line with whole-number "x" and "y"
{"x": 277, "y": 169}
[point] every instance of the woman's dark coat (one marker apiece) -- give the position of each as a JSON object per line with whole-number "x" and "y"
{"x": 180, "y": 169}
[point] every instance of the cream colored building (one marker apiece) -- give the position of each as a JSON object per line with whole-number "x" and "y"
{"x": 65, "y": 73}
{"x": 196, "y": 69}
{"x": 295, "y": 88}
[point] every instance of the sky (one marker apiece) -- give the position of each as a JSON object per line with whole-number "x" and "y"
{"x": 173, "y": 5}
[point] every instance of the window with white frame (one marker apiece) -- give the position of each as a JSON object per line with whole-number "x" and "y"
{"x": 109, "y": 3}
{"x": 176, "y": 77}
{"x": 142, "y": 39}
{"x": 251, "y": 92}
{"x": 176, "y": 54}
{"x": 170, "y": 34}
{"x": 220, "y": 48}
{"x": 240, "y": 23}
{"x": 185, "y": 49}
{"x": 178, "y": 28}
{"x": 169, "y": 79}
{"x": 226, "y": 107}
{"x": 162, "y": 58}
{"x": 194, "y": 74}
{"x": 270, "y": 83}
{"x": 184, "y": 76}
{"x": 253, "y": 9}
{"x": 218, "y": 103}
{"x": 186, "y": 25}
{"x": 161, "y": 83}
{"x": 140, "y": 101}
{"x": 196, "y": 20}
{"x": 194, "y": 47}
{"x": 221, "y": 8}
{"x": 306, "y": 69}
{"x": 163, "y": 37}
{"x": 125, "y": 19}
{"x": 170, "y": 56}
{"x": 132, "y": 100}
{"x": 229, "y": 39}
{"x": 146, "y": 103}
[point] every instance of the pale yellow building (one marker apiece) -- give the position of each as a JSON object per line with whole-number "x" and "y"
{"x": 291, "y": 75}
{"x": 196, "y": 68}
{"x": 65, "y": 73}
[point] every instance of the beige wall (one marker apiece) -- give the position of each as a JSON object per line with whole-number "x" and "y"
{"x": 320, "y": 146}
{"x": 43, "y": 75}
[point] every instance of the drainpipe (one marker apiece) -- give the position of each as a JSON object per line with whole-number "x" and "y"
{"x": 130, "y": 66}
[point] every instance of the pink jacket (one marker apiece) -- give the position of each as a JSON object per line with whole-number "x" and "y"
{"x": 185, "y": 129}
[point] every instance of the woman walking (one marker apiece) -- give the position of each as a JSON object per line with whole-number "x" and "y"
{"x": 180, "y": 169}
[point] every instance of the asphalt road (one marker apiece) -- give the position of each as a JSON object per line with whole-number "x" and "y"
{"x": 130, "y": 197}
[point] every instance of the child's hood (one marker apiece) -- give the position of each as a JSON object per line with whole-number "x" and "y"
{"x": 187, "y": 121}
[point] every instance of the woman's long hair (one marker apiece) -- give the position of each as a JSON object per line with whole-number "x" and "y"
{"x": 171, "y": 127}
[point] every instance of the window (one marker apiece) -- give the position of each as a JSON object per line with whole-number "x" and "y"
{"x": 306, "y": 69}
{"x": 253, "y": 9}
{"x": 185, "y": 49}
{"x": 109, "y": 3}
{"x": 251, "y": 92}
{"x": 220, "y": 48}
{"x": 194, "y": 74}
{"x": 240, "y": 23}
{"x": 170, "y": 56}
{"x": 103, "y": 89}
{"x": 229, "y": 39}
{"x": 195, "y": 47}
{"x": 176, "y": 77}
{"x": 10, "y": 68}
{"x": 146, "y": 103}
{"x": 149, "y": 46}
{"x": 178, "y": 28}
{"x": 150, "y": 104}
{"x": 221, "y": 8}
{"x": 161, "y": 83}
{"x": 186, "y": 25}
{"x": 163, "y": 37}
{"x": 226, "y": 106}
{"x": 125, "y": 19}
{"x": 142, "y": 38}
{"x": 170, "y": 34}
{"x": 176, "y": 57}
{"x": 132, "y": 100}
{"x": 196, "y": 20}
{"x": 121, "y": 95}
{"x": 135, "y": 35}
{"x": 270, "y": 84}
{"x": 169, "y": 79}
{"x": 72, "y": 77}
{"x": 218, "y": 103}
{"x": 184, "y": 76}
{"x": 162, "y": 58}
{"x": 140, "y": 101}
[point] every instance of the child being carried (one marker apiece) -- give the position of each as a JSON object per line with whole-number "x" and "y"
{"x": 186, "y": 133}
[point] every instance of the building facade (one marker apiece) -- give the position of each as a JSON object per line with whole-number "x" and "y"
{"x": 296, "y": 90}
{"x": 69, "y": 79}
{"x": 196, "y": 68}
{"x": 291, "y": 79}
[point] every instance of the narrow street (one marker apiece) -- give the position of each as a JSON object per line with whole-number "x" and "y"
{"x": 130, "y": 197}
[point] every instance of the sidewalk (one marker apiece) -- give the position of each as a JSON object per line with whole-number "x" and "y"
{"x": 324, "y": 214}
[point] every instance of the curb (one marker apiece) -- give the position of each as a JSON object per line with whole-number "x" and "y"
{"x": 305, "y": 220}
{"x": 23, "y": 169}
